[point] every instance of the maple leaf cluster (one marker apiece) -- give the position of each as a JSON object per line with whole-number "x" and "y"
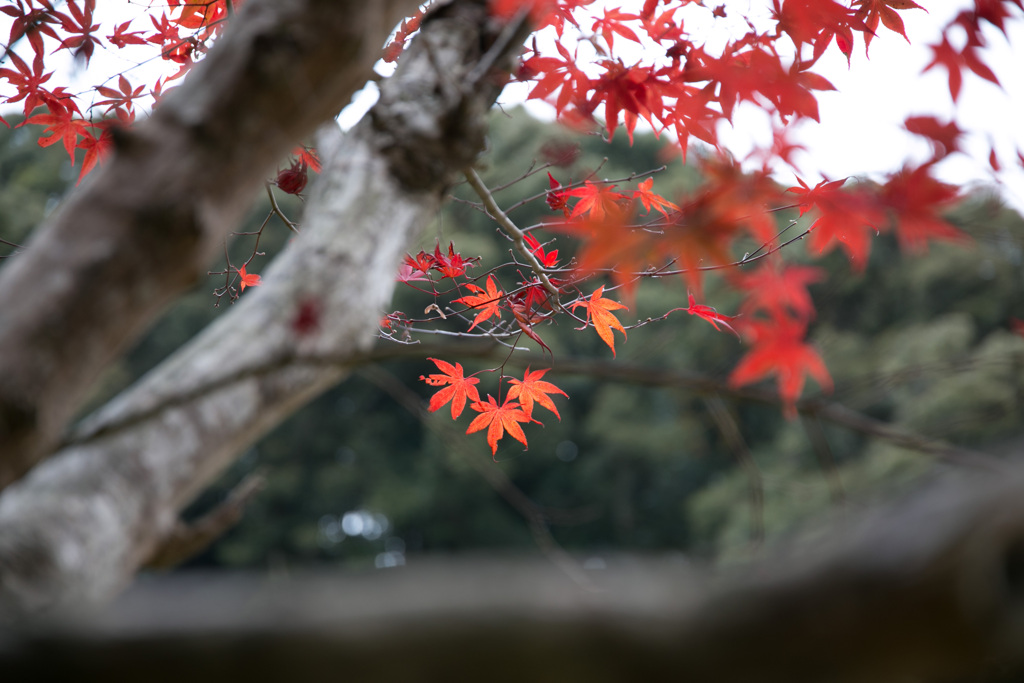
{"x": 627, "y": 235}
{"x": 683, "y": 86}
{"x": 182, "y": 32}
{"x": 498, "y": 419}
{"x": 621, "y": 233}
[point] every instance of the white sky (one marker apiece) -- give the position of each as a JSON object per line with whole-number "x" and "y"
{"x": 861, "y": 132}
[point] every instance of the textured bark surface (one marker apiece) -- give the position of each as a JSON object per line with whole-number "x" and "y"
{"x": 80, "y": 524}
{"x": 146, "y": 226}
{"x": 930, "y": 590}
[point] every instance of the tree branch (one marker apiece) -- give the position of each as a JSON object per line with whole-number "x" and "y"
{"x": 146, "y": 226}
{"x": 79, "y": 525}
{"x": 512, "y": 230}
{"x": 187, "y": 540}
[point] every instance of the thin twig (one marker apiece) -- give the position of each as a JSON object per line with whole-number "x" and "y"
{"x": 580, "y": 183}
{"x": 730, "y": 431}
{"x": 823, "y": 452}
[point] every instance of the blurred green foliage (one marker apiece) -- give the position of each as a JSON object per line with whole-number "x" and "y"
{"x": 923, "y": 342}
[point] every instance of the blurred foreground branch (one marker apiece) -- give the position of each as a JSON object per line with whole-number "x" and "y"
{"x": 930, "y": 589}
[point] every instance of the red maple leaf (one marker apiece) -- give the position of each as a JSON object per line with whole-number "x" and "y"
{"x": 611, "y": 23}
{"x": 27, "y": 82}
{"x": 526, "y": 319}
{"x": 916, "y": 199}
{"x": 308, "y": 155}
{"x": 458, "y": 389}
{"x": 780, "y": 350}
{"x": 122, "y": 97}
{"x": 487, "y": 301}
{"x": 556, "y": 75}
{"x": 80, "y": 27}
{"x": 248, "y": 279}
{"x": 421, "y": 261}
{"x": 780, "y": 290}
{"x": 533, "y": 389}
{"x": 31, "y": 22}
{"x": 61, "y": 125}
{"x": 628, "y": 90}
{"x": 817, "y": 22}
{"x": 701, "y": 233}
{"x": 871, "y": 11}
{"x": 452, "y": 265}
{"x": 498, "y": 420}
{"x": 615, "y": 242}
{"x": 96, "y": 148}
{"x": 293, "y": 179}
{"x": 599, "y": 314}
{"x": 545, "y": 258}
{"x": 409, "y": 273}
{"x": 557, "y": 200}
{"x": 196, "y": 14}
{"x": 945, "y": 55}
{"x": 849, "y": 218}
{"x": 120, "y": 37}
{"x": 944, "y": 136}
{"x": 711, "y": 315}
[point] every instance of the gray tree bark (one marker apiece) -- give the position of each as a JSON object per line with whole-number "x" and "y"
{"x": 147, "y": 225}
{"x": 81, "y": 523}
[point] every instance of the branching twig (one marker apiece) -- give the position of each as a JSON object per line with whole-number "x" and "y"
{"x": 510, "y": 228}
{"x": 734, "y": 440}
{"x": 277, "y": 210}
{"x": 812, "y": 425}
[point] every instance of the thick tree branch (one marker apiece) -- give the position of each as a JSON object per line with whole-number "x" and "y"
{"x": 187, "y": 540}
{"x": 146, "y": 226}
{"x": 79, "y": 525}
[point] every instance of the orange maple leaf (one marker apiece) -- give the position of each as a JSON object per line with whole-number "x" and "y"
{"x": 249, "y": 279}
{"x": 616, "y": 242}
{"x": 498, "y": 419}
{"x": 649, "y": 199}
{"x": 487, "y": 301}
{"x": 599, "y": 314}
{"x": 460, "y": 387}
{"x": 596, "y": 200}
{"x": 533, "y": 389}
